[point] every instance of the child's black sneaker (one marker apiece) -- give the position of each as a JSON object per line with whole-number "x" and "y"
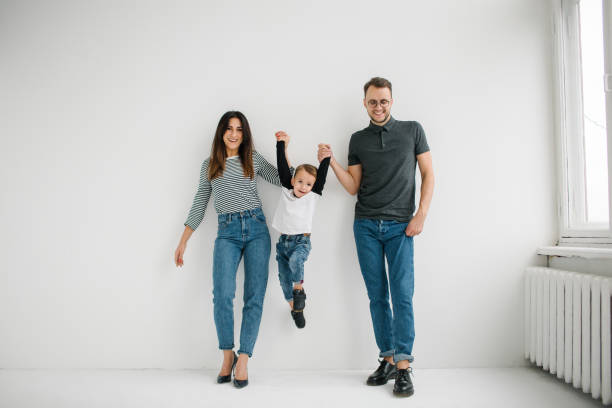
{"x": 298, "y": 318}
{"x": 299, "y": 299}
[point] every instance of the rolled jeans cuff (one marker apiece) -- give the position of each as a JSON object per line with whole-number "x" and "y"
{"x": 401, "y": 357}
{"x": 245, "y": 352}
{"x": 231, "y": 347}
{"x": 388, "y": 353}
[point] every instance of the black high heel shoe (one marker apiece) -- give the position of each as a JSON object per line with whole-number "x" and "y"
{"x": 240, "y": 383}
{"x": 227, "y": 378}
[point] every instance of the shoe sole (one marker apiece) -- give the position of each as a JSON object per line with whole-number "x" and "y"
{"x": 404, "y": 393}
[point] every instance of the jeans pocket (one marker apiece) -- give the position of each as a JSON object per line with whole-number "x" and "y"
{"x": 260, "y": 218}
{"x": 302, "y": 240}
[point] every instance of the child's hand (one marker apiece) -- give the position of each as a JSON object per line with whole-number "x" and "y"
{"x": 282, "y": 135}
{"x": 324, "y": 151}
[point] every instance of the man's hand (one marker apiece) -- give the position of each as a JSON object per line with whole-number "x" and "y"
{"x": 282, "y": 135}
{"x": 324, "y": 151}
{"x": 415, "y": 226}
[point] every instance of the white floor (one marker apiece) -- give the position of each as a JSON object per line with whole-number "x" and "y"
{"x": 514, "y": 387}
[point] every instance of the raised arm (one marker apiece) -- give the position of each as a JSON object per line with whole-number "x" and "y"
{"x": 265, "y": 169}
{"x": 283, "y": 166}
{"x": 321, "y": 176}
{"x": 350, "y": 179}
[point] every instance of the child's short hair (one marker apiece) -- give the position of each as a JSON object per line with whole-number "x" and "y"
{"x": 308, "y": 168}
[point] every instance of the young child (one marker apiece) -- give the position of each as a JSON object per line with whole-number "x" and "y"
{"x": 293, "y": 219}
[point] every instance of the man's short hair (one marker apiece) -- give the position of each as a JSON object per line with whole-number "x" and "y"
{"x": 377, "y": 82}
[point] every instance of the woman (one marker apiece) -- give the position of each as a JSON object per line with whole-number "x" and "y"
{"x": 229, "y": 175}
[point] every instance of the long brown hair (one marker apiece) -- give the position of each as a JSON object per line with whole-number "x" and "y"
{"x": 218, "y": 154}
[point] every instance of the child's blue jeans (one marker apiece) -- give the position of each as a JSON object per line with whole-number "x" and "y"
{"x": 291, "y": 253}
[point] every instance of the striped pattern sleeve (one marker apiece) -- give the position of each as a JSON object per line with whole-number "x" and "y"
{"x": 200, "y": 201}
{"x": 265, "y": 169}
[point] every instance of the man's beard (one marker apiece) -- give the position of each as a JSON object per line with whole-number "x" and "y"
{"x": 386, "y": 117}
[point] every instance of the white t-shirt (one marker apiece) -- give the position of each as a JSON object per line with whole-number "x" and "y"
{"x": 294, "y": 215}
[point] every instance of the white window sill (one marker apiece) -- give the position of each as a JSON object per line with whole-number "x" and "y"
{"x": 578, "y": 252}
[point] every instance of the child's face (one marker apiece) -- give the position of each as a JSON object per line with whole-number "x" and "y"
{"x": 302, "y": 183}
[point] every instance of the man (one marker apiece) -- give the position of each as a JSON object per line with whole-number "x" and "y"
{"x": 382, "y": 161}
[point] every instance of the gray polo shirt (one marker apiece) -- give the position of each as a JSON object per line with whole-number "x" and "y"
{"x": 387, "y": 155}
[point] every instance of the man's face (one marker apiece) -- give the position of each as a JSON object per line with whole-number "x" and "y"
{"x": 378, "y": 103}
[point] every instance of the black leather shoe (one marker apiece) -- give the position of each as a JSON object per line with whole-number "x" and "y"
{"x": 403, "y": 383}
{"x": 227, "y": 378}
{"x": 298, "y": 318}
{"x": 383, "y": 373}
{"x": 299, "y": 299}
{"x": 240, "y": 383}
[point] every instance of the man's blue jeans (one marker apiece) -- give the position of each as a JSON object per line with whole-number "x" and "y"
{"x": 291, "y": 253}
{"x": 242, "y": 233}
{"x": 375, "y": 240}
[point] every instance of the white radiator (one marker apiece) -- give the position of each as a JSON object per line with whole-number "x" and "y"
{"x": 567, "y": 328}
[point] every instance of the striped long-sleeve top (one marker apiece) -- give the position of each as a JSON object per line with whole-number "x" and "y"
{"x": 232, "y": 192}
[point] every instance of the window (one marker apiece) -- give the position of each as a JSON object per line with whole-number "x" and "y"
{"x": 584, "y": 54}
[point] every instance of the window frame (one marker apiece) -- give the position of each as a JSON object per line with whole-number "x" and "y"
{"x": 569, "y": 126}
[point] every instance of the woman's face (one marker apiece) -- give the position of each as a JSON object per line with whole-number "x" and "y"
{"x": 233, "y": 136}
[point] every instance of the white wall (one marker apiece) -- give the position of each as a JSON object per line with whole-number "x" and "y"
{"x": 108, "y": 110}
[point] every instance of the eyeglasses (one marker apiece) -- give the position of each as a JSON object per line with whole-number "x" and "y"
{"x": 374, "y": 103}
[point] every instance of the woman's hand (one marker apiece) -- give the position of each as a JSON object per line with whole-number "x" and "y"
{"x": 282, "y": 135}
{"x": 178, "y": 254}
{"x": 180, "y": 250}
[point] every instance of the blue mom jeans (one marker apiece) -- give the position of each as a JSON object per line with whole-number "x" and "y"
{"x": 375, "y": 241}
{"x": 240, "y": 234}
